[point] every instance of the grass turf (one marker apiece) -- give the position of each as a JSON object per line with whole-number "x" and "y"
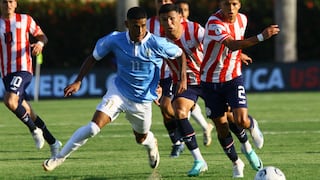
{"x": 290, "y": 122}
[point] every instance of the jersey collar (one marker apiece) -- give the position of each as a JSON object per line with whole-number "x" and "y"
{"x": 142, "y": 41}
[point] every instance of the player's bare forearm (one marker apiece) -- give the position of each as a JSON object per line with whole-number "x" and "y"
{"x": 85, "y": 68}
{"x": 37, "y": 47}
{"x": 183, "y": 68}
{"x": 267, "y": 33}
{"x": 182, "y": 84}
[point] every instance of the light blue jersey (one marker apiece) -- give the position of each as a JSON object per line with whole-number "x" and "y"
{"x": 138, "y": 64}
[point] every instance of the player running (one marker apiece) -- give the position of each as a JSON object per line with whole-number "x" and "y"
{"x": 139, "y": 57}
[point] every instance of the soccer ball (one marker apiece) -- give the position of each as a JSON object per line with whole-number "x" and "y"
{"x": 270, "y": 173}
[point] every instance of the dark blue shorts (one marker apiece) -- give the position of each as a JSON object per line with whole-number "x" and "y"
{"x": 17, "y": 83}
{"x": 166, "y": 85}
{"x": 193, "y": 92}
{"x": 217, "y": 95}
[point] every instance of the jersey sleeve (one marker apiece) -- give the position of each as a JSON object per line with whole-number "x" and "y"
{"x": 217, "y": 31}
{"x": 169, "y": 49}
{"x": 200, "y": 32}
{"x": 103, "y": 46}
{"x": 34, "y": 28}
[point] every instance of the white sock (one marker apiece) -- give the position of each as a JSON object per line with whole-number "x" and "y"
{"x": 247, "y": 146}
{"x": 197, "y": 154}
{"x": 149, "y": 142}
{"x": 198, "y": 117}
{"x": 79, "y": 138}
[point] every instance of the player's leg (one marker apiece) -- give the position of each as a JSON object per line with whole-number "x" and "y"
{"x": 51, "y": 140}
{"x": 107, "y": 111}
{"x": 207, "y": 128}
{"x": 216, "y": 107}
{"x": 169, "y": 119}
{"x": 170, "y": 124}
{"x": 78, "y": 139}
{"x": 246, "y": 147}
{"x": 238, "y": 102}
{"x": 140, "y": 117}
{"x": 182, "y": 107}
{"x": 15, "y": 85}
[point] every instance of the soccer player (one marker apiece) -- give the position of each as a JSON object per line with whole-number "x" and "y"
{"x": 139, "y": 57}
{"x": 16, "y": 69}
{"x": 196, "y": 113}
{"x": 154, "y": 26}
{"x": 188, "y": 36}
{"x": 240, "y": 132}
{"x": 221, "y": 77}
{"x": 185, "y": 10}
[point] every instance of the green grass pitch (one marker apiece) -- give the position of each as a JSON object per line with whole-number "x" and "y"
{"x": 290, "y": 122}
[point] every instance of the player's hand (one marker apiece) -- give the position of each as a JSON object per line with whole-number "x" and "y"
{"x": 270, "y": 31}
{"x": 36, "y": 48}
{"x": 245, "y": 59}
{"x": 159, "y": 94}
{"x": 72, "y": 88}
{"x": 181, "y": 86}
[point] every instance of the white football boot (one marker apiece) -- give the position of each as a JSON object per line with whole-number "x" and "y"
{"x": 38, "y": 138}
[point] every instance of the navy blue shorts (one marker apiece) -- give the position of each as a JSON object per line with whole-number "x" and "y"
{"x": 17, "y": 83}
{"x": 217, "y": 95}
{"x": 193, "y": 92}
{"x": 166, "y": 85}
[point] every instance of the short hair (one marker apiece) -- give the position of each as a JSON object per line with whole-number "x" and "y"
{"x": 169, "y": 7}
{"x": 136, "y": 13}
{"x": 182, "y": 1}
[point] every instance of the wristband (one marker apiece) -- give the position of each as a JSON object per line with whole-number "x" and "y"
{"x": 260, "y": 37}
{"x": 40, "y": 43}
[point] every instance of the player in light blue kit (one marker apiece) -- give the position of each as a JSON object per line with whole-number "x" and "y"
{"x": 139, "y": 57}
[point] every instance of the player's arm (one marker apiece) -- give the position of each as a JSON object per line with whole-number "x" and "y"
{"x": 38, "y": 46}
{"x": 182, "y": 83}
{"x": 267, "y": 33}
{"x": 85, "y": 68}
{"x": 245, "y": 59}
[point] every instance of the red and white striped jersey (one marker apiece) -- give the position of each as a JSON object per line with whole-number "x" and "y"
{"x": 153, "y": 25}
{"x": 220, "y": 64}
{"x": 191, "y": 43}
{"x": 15, "y": 47}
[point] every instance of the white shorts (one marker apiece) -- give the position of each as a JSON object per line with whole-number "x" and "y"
{"x": 138, "y": 114}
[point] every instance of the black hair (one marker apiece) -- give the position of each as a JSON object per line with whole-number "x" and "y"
{"x": 182, "y": 1}
{"x": 169, "y": 7}
{"x": 136, "y": 13}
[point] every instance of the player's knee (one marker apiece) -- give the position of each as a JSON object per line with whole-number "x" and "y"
{"x": 243, "y": 122}
{"x": 222, "y": 129}
{"x": 11, "y": 103}
{"x": 181, "y": 113}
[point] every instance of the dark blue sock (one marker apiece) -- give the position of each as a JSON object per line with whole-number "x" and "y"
{"x": 187, "y": 133}
{"x": 22, "y": 114}
{"x": 228, "y": 147}
{"x": 173, "y": 131}
{"x": 46, "y": 133}
{"x": 240, "y": 132}
{"x": 251, "y": 122}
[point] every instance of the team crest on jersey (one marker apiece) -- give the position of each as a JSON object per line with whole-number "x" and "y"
{"x": 148, "y": 52}
{"x": 218, "y": 31}
{"x": 216, "y": 28}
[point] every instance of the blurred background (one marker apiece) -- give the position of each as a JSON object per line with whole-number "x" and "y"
{"x": 287, "y": 62}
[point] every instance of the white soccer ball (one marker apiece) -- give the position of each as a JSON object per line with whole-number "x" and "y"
{"x": 270, "y": 173}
